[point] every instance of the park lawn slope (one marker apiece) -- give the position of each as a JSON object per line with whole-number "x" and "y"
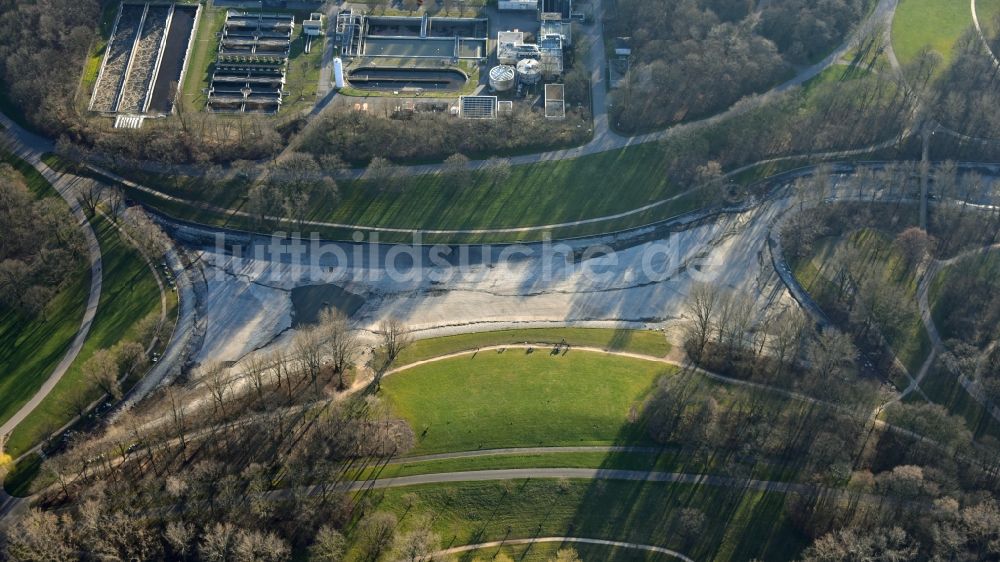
{"x": 739, "y": 525}
{"x": 519, "y": 399}
{"x": 129, "y": 294}
{"x": 643, "y": 342}
{"x": 932, "y": 23}
{"x": 30, "y": 348}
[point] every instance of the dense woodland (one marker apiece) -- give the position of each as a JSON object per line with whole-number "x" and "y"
{"x": 897, "y": 496}
{"x": 697, "y": 57}
{"x": 869, "y": 292}
{"x": 221, "y": 468}
{"x": 42, "y": 48}
{"x": 968, "y": 92}
{"x": 41, "y": 248}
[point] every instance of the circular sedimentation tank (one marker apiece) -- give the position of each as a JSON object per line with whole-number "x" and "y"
{"x": 529, "y": 71}
{"x": 502, "y": 77}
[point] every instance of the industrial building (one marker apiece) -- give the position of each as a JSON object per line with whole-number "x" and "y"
{"x": 531, "y": 62}
{"x": 144, "y": 60}
{"x": 562, "y": 9}
{"x": 478, "y": 107}
{"x": 249, "y": 73}
{"x": 410, "y": 37}
{"x": 517, "y": 5}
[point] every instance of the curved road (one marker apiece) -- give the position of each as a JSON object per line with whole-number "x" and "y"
{"x": 67, "y": 186}
{"x": 540, "y": 540}
{"x": 605, "y": 139}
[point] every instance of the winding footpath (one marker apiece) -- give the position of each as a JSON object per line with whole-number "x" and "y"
{"x": 982, "y": 36}
{"x": 937, "y": 343}
{"x": 67, "y": 186}
{"x": 560, "y": 540}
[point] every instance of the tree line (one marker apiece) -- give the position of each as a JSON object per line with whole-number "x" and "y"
{"x": 41, "y": 250}
{"x": 697, "y": 57}
{"x": 241, "y": 463}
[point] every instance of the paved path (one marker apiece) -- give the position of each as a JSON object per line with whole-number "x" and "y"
{"x": 66, "y": 185}
{"x": 178, "y": 347}
{"x": 744, "y": 484}
{"x": 937, "y": 343}
{"x": 604, "y": 138}
{"x": 982, "y": 36}
{"x": 560, "y": 540}
{"x": 512, "y": 451}
{"x": 31, "y": 148}
{"x": 480, "y": 231}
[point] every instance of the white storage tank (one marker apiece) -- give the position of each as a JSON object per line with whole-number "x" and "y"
{"x": 338, "y": 72}
{"x": 529, "y": 71}
{"x": 502, "y": 77}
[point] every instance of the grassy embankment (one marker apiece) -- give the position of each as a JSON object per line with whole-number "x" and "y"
{"x": 30, "y": 348}
{"x": 644, "y": 342}
{"x": 942, "y": 385}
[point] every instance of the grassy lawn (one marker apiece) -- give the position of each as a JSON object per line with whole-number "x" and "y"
{"x": 545, "y": 552}
{"x": 934, "y": 23}
{"x": 944, "y": 388}
{"x": 303, "y": 70}
{"x": 739, "y": 525}
{"x": 981, "y": 267}
{"x": 539, "y": 194}
{"x": 987, "y": 11}
{"x": 30, "y": 348}
{"x": 834, "y": 74}
{"x": 645, "y": 342}
{"x": 513, "y": 399}
{"x": 128, "y": 295}
{"x": 202, "y": 57}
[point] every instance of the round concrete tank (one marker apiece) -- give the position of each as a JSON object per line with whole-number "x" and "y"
{"x": 502, "y": 77}
{"x": 338, "y": 72}
{"x": 529, "y": 71}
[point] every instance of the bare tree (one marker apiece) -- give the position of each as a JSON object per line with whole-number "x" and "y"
{"x": 177, "y": 416}
{"x": 416, "y": 543}
{"x": 216, "y": 377}
{"x": 382, "y": 173}
{"x": 375, "y": 534}
{"x": 102, "y": 371}
{"x": 146, "y": 233}
{"x": 255, "y": 368}
{"x": 130, "y": 357}
{"x": 456, "y": 170}
{"x": 179, "y": 536}
{"x": 498, "y": 169}
{"x": 702, "y": 305}
{"x": 308, "y": 345}
{"x": 116, "y": 201}
{"x": 329, "y": 545}
{"x": 340, "y": 341}
{"x": 89, "y": 194}
{"x": 394, "y": 339}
